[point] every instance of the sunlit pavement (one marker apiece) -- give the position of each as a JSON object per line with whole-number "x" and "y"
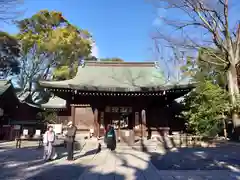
{"x": 132, "y": 165}
{"x": 124, "y": 163}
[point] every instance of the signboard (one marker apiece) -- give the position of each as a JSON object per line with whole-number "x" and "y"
{"x": 91, "y": 131}
{"x": 38, "y": 132}
{"x": 57, "y": 128}
{"x": 116, "y": 109}
{"x": 7, "y": 125}
{"x": 17, "y": 127}
{"x": 25, "y": 132}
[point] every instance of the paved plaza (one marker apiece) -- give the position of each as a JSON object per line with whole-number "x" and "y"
{"x": 220, "y": 163}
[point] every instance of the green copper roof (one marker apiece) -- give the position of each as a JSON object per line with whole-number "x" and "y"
{"x": 114, "y": 76}
{"x": 4, "y": 85}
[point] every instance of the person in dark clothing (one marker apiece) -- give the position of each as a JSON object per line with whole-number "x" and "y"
{"x": 70, "y": 138}
{"x": 110, "y": 138}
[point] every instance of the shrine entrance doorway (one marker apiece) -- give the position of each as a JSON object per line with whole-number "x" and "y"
{"x": 121, "y": 118}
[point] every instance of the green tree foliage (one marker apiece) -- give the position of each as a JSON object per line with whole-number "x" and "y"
{"x": 216, "y": 27}
{"x": 199, "y": 69}
{"x": 210, "y": 100}
{"x": 63, "y": 73}
{"x": 205, "y": 107}
{"x": 47, "y": 116}
{"x": 48, "y": 42}
{"x": 112, "y": 59}
{"x": 9, "y": 53}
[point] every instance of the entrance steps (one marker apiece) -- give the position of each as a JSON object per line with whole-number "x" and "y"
{"x": 151, "y": 145}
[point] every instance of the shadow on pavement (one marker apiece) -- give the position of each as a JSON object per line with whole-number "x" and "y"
{"x": 70, "y": 172}
{"x": 196, "y": 159}
{"x": 14, "y": 161}
{"x": 222, "y": 158}
{"x": 88, "y": 153}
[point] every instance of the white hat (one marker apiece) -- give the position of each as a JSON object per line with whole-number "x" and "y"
{"x": 69, "y": 123}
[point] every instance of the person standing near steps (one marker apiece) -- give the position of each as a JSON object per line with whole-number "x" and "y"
{"x": 70, "y": 138}
{"x": 48, "y": 141}
{"x": 110, "y": 138}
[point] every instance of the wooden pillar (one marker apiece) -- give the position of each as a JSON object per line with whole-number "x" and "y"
{"x": 136, "y": 120}
{"x": 143, "y": 123}
{"x": 96, "y": 123}
{"x": 73, "y": 114}
{"x": 101, "y": 123}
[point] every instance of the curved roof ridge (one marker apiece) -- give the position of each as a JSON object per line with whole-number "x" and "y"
{"x": 119, "y": 63}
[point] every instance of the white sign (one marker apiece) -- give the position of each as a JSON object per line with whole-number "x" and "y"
{"x": 7, "y": 125}
{"x": 137, "y": 127}
{"x": 57, "y": 128}
{"x": 38, "y": 132}
{"x": 25, "y": 132}
{"x": 91, "y": 131}
{"x": 1, "y": 112}
{"x": 17, "y": 127}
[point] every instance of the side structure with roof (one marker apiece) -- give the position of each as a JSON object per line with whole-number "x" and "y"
{"x": 132, "y": 96}
{"x": 15, "y": 115}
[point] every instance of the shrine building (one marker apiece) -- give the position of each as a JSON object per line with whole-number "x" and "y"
{"x": 132, "y": 96}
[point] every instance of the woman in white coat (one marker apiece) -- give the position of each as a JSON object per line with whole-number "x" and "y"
{"x": 48, "y": 140}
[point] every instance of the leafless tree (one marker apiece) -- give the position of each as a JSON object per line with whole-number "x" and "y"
{"x": 9, "y": 10}
{"x": 194, "y": 24}
{"x": 170, "y": 58}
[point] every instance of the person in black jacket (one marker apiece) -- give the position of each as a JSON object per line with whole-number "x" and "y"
{"x": 70, "y": 138}
{"x": 110, "y": 138}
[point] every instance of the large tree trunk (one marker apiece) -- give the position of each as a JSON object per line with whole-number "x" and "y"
{"x": 234, "y": 92}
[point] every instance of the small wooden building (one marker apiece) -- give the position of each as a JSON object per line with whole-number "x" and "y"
{"x": 58, "y": 105}
{"x": 132, "y": 96}
{"x": 15, "y": 115}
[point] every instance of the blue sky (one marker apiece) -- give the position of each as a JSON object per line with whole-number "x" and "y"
{"x": 121, "y": 28}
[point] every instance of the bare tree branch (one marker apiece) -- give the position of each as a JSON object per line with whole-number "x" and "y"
{"x": 9, "y": 10}
{"x": 189, "y": 19}
{"x": 237, "y": 53}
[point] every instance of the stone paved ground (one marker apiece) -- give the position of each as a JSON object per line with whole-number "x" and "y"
{"x": 124, "y": 163}
{"x": 26, "y": 163}
{"x": 130, "y": 165}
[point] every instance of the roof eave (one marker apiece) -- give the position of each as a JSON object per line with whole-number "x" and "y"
{"x": 69, "y": 85}
{"x": 53, "y": 84}
{"x": 54, "y": 107}
{"x": 134, "y": 89}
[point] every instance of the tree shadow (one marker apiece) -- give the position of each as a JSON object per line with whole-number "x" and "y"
{"x": 223, "y": 159}
{"x": 219, "y": 162}
{"x": 13, "y": 160}
{"x": 69, "y": 172}
{"x": 194, "y": 157}
{"x": 88, "y": 153}
{"x": 62, "y": 172}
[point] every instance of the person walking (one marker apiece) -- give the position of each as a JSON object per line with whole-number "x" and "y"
{"x": 70, "y": 138}
{"x": 110, "y": 138}
{"x": 48, "y": 141}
